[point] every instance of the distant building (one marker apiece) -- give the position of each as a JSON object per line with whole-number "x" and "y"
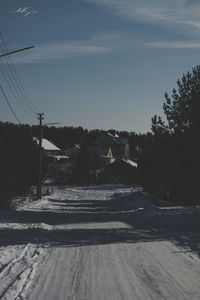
{"x": 100, "y": 157}
{"x": 72, "y": 152}
{"x": 56, "y": 165}
{"x": 121, "y": 171}
{"x": 119, "y": 146}
{"x": 109, "y": 156}
{"x": 48, "y": 147}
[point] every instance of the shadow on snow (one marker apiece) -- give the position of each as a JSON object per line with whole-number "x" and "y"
{"x": 146, "y": 223}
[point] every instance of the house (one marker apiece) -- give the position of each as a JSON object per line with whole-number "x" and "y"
{"x": 109, "y": 159}
{"x": 55, "y": 165}
{"x": 48, "y": 147}
{"x": 99, "y": 157}
{"x": 119, "y": 146}
{"x": 73, "y": 151}
{"x": 59, "y": 168}
{"x": 121, "y": 171}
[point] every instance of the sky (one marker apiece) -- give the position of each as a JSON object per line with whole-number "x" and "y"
{"x": 97, "y": 63}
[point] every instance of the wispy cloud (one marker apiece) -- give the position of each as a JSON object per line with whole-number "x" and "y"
{"x": 174, "y": 44}
{"x": 101, "y": 43}
{"x": 61, "y": 50}
{"x": 180, "y": 12}
{"x": 24, "y": 11}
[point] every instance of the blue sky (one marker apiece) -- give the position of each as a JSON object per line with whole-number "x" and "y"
{"x": 99, "y": 63}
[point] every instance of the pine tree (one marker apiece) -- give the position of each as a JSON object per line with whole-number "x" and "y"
{"x": 182, "y": 110}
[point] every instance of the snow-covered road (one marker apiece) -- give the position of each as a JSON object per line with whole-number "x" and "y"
{"x": 104, "y": 242}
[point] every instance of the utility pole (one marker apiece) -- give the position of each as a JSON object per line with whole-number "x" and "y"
{"x": 39, "y": 185}
{"x": 40, "y": 155}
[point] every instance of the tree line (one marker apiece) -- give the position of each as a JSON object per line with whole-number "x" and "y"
{"x": 171, "y": 160}
{"x": 168, "y": 156}
{"x": 19, "y": 153}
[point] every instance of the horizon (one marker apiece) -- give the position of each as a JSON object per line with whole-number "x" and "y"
{"x": 75, "y": 127}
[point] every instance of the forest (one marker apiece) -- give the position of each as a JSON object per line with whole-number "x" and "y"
{"x": 168, "y": 160}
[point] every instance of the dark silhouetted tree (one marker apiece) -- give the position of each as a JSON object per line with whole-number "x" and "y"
{"x": 177, "y": 142}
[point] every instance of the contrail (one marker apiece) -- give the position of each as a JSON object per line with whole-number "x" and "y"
{"x": 24, "y": 11}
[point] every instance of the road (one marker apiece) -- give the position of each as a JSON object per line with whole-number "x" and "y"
{"x": 107, "y": 242}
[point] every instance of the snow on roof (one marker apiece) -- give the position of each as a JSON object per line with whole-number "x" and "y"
{"x": 118, "y": 140}
{"x": 112, "y": 135}
{"x": 130, "y": 162}
{"x": 48, "y": 146}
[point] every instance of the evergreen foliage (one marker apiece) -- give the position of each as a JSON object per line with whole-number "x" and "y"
{"x": 18, "y": 155}
{"x": 182, "y": 110}
{"x": 171, "y": 159}
{"x": 168, "y": 157}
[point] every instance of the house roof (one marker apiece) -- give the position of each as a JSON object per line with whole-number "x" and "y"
{"x": 46, "y": 145}
{"x": 118, "y": 140}
{"x": 107, "y": 138}
{"x": 112, "y": 135}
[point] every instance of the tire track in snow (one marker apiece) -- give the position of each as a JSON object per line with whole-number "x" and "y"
{"x": 78, "y": 270}
{"x": 17, "y": 273}
{"x": 91, "y": 264}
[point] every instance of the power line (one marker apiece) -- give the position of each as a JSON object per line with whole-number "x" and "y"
{"x": 12, "y": 68}
{"x": 15, "y": 84}
{"x": 9, "y": 105}
{"x": 17, "y": 80}
{"x": 19, "y": 86}
{"x": 13, "y": 89}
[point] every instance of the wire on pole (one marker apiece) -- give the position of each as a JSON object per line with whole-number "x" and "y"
{"x": 16, "y": 80}
{"x": 9, "y": 105}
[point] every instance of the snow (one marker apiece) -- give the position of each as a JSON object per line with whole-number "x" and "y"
{"x": 48, "y": 146}
{"x": 113, "y": 135}
{"x": 109, "y": 242}
{"x": 130, "y": 162}
{"x": 59, "y": 157}
{"x": 118, "y": 140}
